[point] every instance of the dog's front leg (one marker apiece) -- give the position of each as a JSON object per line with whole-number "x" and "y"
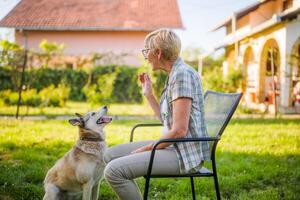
{"x": 95, "y": 191}
{"x": 87, "y": 190}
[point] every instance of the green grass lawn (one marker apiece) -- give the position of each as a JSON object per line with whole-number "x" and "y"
{"x": 256, "y": 159}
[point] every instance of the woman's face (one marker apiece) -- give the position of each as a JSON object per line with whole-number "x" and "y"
{"x": 153, "y": 58}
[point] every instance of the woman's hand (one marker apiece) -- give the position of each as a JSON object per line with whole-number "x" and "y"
{"x": 146, "y": 84}
{"x": 142, "y": 149}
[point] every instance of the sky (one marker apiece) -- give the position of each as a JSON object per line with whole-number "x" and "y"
{"x": 199, "y": 17}
{"x": 5, "y": 7}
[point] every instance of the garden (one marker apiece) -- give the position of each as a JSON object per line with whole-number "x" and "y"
{"x": 257, "y": 158}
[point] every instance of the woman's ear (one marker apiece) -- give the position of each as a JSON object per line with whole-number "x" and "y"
{"x": 159, "y": 54}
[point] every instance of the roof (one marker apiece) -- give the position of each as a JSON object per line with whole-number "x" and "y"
{"x": 288, "y": 14}
{"x": 240, "y": 13}
{"x": 132, "y": 15}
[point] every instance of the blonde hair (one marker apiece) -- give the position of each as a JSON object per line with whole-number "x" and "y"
{"x": 167, "y": 41}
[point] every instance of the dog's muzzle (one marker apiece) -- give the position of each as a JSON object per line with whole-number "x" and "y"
{"x": 104, "y": 119}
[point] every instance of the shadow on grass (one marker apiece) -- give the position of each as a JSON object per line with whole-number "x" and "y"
{"x": 241, "y": 176}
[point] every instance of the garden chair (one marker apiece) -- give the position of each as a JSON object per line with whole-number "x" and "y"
{"x": 219, "y": 108}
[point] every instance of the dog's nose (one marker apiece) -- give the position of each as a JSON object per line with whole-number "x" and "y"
{"x": 105, "y": 107}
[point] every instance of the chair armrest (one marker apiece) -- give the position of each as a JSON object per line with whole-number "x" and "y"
{"x": 176, "y": 140}
{"x": 142, "y": 125}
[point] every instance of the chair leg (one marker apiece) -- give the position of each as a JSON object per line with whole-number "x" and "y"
{"x": 217, "y": 185}
{"x": 193, "y": 188}
{"x": 146, "y": 188}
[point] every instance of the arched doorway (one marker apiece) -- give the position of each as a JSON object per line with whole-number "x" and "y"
{"x": 269, "y": 80}
{"x": 294, "y": 62}
{"x": 250, "y": 73}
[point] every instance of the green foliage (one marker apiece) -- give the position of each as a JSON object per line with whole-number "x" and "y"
{"x": 6, "y": 45}
{"x": 31, "y": 98}
{"x": 126, "y": 88}
{"x": 75, "y": 80}
{"x": 92, "y": 93}
{"x": 49, "y": 49}
{"x": 44, "y": 77}
{"x": 100, "y": 87}
{"x": 5, "y": 79}
{"x": 101, "y": 70}
{"x": 233, "y": 80}
{"x": 9, "y": 98}
{"x": 159, "y": 79}
{"x": 50, "y": 96}
{"x": 54, "y": 96}
{"x": 102, "y": 84}
{"x": 11, "y": 61}
{"x": 213, "y": 78}
{"x": 105, "y": 86}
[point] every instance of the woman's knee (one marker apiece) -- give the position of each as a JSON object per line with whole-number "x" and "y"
{"x": 106, "y": 156}
{"x": 112, "y": 172}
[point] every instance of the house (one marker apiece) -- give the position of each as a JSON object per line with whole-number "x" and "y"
{"x": 92, "y": 26}
{"x": 264, "y": 40}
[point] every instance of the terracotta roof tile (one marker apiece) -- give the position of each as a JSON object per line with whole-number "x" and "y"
{"x": 94, "y": 15}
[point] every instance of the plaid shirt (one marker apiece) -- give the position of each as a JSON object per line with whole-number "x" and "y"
{"x": 184, "y": 81}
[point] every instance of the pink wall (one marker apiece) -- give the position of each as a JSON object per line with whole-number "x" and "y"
{"x": 85, "y": 42}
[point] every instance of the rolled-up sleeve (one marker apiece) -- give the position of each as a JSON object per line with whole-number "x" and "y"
{"x": 182, "y": 85}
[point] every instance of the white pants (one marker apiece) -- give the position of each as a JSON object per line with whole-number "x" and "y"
{"x": 122, "y": 167}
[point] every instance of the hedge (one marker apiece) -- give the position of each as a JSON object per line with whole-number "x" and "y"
{"x": 102, "y": 84}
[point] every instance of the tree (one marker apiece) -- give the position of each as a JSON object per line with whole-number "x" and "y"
{"x": 50, "y": 49}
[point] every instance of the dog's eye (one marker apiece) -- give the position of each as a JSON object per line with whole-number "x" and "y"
{"x": 93, "y": 114}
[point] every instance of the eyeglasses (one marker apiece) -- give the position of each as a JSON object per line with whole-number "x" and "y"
{"x": 145, "y": 52}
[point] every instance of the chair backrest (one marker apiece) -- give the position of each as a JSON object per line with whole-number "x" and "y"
{"x": 219, "y": 108}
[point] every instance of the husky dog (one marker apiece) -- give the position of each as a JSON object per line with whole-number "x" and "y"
{"x": 81, "y": 169}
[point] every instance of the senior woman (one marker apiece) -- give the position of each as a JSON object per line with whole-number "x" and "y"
{"x": 181, "y": 112}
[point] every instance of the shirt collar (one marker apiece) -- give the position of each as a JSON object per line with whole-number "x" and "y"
{"x": 175, "y": 66}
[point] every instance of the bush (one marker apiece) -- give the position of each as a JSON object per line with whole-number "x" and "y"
{"x": 9, "y": 98}
{"x": 55, "y": 97}
{"x": 234, "y": 79}
{"x": 29, "y": 97}
{"x": 105, "y": 84}
{"x": 75, "y": 80}
{"x": 92, "y": 93}
{"x": 215, "y": 80}
{"x": 159, "y": 79}
{"x": 126, "y": 88}
{"x": 43, "y": 78}
{"x": 5, "y": 79}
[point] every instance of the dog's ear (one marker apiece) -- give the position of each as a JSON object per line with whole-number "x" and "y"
{"x": 78, "y": 115}
{"x": 75, "y": 122}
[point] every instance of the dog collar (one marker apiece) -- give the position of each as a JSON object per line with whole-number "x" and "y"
{"x": 96, "y": 139}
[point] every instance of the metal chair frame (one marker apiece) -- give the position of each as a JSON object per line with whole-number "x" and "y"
{"x": 203, "y": 172}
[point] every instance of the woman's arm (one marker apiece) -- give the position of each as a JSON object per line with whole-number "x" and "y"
{"x": 181, "y": 115}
